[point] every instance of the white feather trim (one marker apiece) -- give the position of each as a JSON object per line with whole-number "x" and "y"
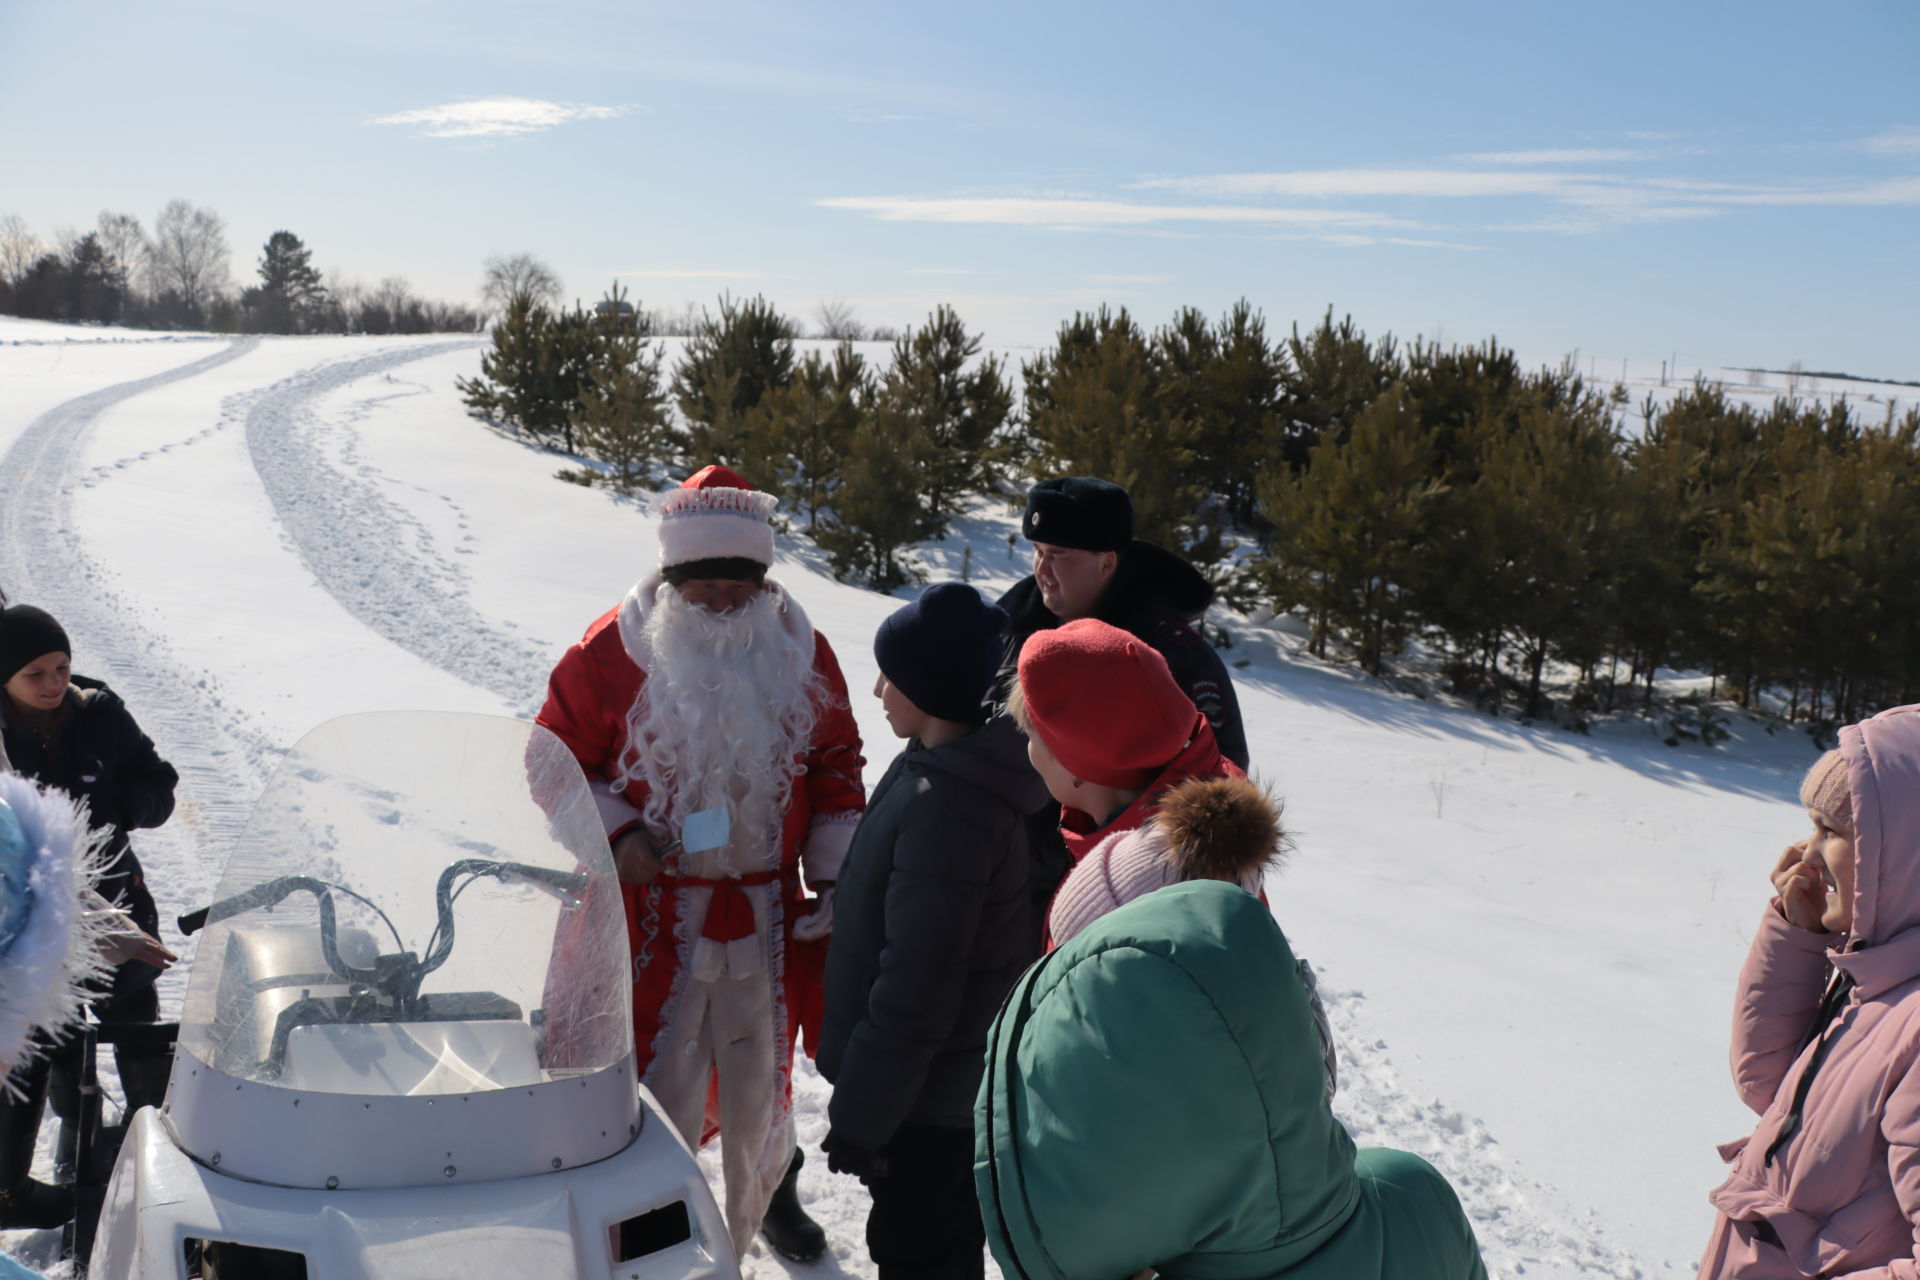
{"x": 44, "y": 975}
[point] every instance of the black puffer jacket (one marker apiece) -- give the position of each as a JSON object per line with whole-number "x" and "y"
{"x": 931, "y": 928}
{"x": 97, "y": 753}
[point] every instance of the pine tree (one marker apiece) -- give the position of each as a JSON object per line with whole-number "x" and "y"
{"x": 1349, "y": 529}
{"x": 1334, "y": 373}
{"x": 622, "y": 414}
{"x": 959, "y": 405}
{"x": 879, "y": 508}
{"x": 1094, "y": 408}
{"x": 731, "y": 361}
{"x": 815, "y": 417}
{"x": 290, "y": 290}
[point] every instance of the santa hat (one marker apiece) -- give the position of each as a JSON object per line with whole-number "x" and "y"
{"x": 715, "y": 515}
{"x": 1104, "y": 703}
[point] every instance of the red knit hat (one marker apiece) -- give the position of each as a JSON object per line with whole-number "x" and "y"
{"x": 715, "y": 515}
{"x": 1104, "y": 703}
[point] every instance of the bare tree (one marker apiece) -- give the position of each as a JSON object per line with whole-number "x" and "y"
{"x": 509, "y": 274}
{"x": 125, "y": 241}
{"x": 190, "y": 253}
{"x": 835, "y": 320}
{"x": 19, "y": 249}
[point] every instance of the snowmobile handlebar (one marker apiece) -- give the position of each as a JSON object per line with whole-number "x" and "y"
{"x": 399, "y": 974}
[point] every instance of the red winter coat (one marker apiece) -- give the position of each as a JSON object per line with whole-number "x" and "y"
{"x": 589, "y": 695}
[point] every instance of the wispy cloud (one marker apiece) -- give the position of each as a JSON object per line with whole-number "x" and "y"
{"x": 1572, "y": 155}
{"x": 1900, "y": 140}
{"x": 1082, "y": 213}
{"x": 1105, "y": 279}
{"x": 496, "y": 117}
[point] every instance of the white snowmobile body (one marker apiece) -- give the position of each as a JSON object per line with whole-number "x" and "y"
{"x": 407, "y": 1046}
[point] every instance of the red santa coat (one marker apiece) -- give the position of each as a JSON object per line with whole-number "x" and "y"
{"x": 589, "y": 696}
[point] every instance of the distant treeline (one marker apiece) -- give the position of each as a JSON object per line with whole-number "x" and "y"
{"x": 1502, "y": 519}
{"x": 177, "y": 278}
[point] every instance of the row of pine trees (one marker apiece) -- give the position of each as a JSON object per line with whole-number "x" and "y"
{"x": 1444, "y": 498}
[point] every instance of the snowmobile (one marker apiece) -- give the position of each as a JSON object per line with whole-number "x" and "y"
{"x": 406, "y": 1048}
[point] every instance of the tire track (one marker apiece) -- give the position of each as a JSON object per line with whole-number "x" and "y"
{"x": 368, "y": 552}
{"x": 44, "y": 561}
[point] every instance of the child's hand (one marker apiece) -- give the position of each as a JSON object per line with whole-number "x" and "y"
{"x": 1802, "y": 889}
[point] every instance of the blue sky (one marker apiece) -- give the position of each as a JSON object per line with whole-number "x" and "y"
{"x": 1731, "y": 184}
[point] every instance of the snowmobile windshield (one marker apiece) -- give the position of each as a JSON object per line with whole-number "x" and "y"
{"x": 421, "y": 903}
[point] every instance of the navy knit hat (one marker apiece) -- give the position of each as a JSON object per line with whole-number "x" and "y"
{"x": 943, "y": 650}
{"x": 27, "y": 633}
{"x": 1079, "y": 511}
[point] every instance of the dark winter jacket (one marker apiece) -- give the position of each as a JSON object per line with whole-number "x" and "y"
{"x": 1154, "y": 1097}
{"x": 97, "y": 753}
{"x": 1159, "y": 597}
{"x": 930, "y": 929}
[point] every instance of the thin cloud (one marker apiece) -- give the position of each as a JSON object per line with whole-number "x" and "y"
{"x": 496, "y": 117}
{"x": 1574, "y": 155}
{"x": 1086, "y": 214}
{"x": 1900, "y": 140}
{"x": 1104, "y": 279}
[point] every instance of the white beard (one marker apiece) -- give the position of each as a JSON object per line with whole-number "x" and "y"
{"x": 725, "y": 710}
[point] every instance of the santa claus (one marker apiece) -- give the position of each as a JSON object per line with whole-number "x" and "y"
{"x": 707, "y": 689}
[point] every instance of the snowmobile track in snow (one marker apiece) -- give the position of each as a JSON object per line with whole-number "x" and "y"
{"x": 44, "y": 561}
{"x": 368, "y": 552}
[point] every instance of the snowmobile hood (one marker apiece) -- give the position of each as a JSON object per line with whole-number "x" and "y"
{"x": 1883, "y": 774}
{"x": 1154, "y": 1096}
{"x": 993, "y": 758}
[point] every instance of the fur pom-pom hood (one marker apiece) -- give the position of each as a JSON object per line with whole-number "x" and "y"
{"x": 1202, "y": 829}
{"x": 1221, "y": 829}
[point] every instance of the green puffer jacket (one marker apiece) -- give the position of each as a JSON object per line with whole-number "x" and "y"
{"x": 1154, "y": 1097}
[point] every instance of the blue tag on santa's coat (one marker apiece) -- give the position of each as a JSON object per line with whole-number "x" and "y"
{"x": 708, "y": 829}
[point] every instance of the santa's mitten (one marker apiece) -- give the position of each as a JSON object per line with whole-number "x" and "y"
{"x": 818, "y": 923}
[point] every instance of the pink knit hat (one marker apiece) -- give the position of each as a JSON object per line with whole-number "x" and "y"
{"x": 715, "y": 515}
{"x": 1826, "y": 795}
{"x": 1204, "y": 828}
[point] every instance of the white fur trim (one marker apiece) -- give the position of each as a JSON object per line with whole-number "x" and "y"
{"x": 704, "y": 524}
{"x": 828, "y": 839}
{"x": 43, "y": 974}
{"x": 638, "y": 603}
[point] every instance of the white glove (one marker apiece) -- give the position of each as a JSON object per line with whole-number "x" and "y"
{"x": 818, "y": 923}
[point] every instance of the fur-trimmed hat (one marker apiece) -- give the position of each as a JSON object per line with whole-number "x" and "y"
{"x": 1204, "y": 829}
{"x": 715, "y": 515}
{"x": 1826, "y": 795}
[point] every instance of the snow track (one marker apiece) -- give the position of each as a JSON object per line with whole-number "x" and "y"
{"x": 367, "y": 551}
{"x": 43, "y": 561}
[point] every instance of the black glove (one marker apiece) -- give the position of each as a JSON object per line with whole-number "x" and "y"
{"x": 844, "y": 1157}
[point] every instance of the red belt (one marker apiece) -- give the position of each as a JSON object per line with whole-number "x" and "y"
{"x": 729, "y": 915}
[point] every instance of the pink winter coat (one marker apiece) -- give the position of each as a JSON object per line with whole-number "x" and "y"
{"x": 1842, "y": 1197}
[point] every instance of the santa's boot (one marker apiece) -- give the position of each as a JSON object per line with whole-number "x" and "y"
{"x": 25, "y": 1202}
{"x": 787, "y": 1229}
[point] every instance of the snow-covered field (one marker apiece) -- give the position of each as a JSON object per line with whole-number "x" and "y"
{"x": 1528, "y": 937}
